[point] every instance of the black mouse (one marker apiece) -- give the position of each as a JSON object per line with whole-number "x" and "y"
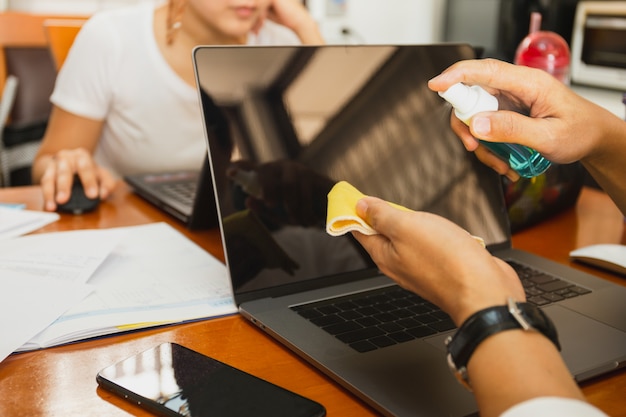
{"x": 78, "y": 203}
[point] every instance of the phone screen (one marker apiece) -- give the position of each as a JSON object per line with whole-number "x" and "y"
{"x": 173, "y": 380}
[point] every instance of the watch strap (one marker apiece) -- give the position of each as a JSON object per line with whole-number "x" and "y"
{"x": 490, "y": 321}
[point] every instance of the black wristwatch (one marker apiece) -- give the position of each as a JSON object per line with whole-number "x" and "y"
{"x": 490, "y": 321}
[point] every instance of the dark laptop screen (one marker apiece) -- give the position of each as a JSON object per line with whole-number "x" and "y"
{"x": 285, "y": 123}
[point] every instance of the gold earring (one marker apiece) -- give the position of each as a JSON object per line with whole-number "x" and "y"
{"x": 175, "y": 11}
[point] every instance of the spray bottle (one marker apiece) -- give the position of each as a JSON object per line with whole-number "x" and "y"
{"x": 469, "y": 100}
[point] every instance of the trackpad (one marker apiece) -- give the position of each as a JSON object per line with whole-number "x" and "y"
{"x": 607, "y": 305}
{"x": 589, "y": 347}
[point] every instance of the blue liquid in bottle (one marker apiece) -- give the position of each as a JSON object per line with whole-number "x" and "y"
{"x": 524, "y": 160}
{"x": 467, "y": 101}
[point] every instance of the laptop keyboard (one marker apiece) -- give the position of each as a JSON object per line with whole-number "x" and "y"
{"x": 184, "y": 191}
{"x": 542, "y": 288}
{"x": 391, "y": 315}
{"x": 378, "y": 318}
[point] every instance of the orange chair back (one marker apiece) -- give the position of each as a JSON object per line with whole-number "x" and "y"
{"x": 60, "y": 34}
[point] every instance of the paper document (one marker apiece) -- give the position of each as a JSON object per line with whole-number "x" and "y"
{"x": 44, "y": 275}
{"x": 28, "y": 306}
{"x": 16, "y": 222}
{"x": 67, "y": 256}
{"x": 154, "y": 276}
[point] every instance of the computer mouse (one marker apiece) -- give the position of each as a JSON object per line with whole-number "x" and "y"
{"x": 610, "y": 256}
{"x": 78, "y": 203}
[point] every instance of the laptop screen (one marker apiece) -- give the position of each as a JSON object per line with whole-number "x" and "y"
{"x": 284, "y": 124}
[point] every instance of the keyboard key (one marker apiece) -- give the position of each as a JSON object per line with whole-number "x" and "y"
{"x": 363, "y": 346}
{"x": 329, "y": 309}
{"x": 324, "y": 321}
{"x": 346, "y": 306}
{"x": 402, "y": 313}
{"x": 581, "y": 290}
{"x": 368, "y": 321}
{"x": 383, "y": 341}
{"x": 420, "y": 309}
{"x": 401, "y": 337}
{"x": 426, "y": 319}
{"x": 552, "y": 297}
{"x": 443, "y": 325}
{"x": 408, "y": 323}
{"x": 350, "y": 315}
{"x": 386, "y": 307}
{"x": 367, "y": 311}
{"x": 533, "y": 291}
{"x": 541, "y": 278}
{"x": 421, "y": 331}
{"x": 403, "y": 302}
{"x": 339, "y": 328}
{"x": 390, "y": 327}
{"x": 539, "y": 301}
{"x": 310, "y": 314}
{"x": 361, "y": 334}
{"x": 554, "y": 286}
{"x": 385, "y": 317}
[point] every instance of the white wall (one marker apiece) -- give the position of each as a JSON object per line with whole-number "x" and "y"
{"x": 367, "y": 21}
{"x": 67, "y": 7}
{"x": 380, "y": 21}
{"x": 474, "y": 22}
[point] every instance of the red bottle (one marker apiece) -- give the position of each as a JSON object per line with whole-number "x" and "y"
{"x": 545, "y": 50}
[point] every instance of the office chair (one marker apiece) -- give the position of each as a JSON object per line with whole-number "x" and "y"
{"x": 60, "y": 34}
{"x": 28, "y": 116}
{"x": 24, "y": 54}
{"x": 6, "y": 103}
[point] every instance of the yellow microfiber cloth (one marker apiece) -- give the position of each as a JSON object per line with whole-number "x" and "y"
{"x": 342, "y": 218}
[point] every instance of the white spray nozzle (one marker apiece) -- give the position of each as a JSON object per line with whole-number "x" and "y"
{"x": 467, "y": 101}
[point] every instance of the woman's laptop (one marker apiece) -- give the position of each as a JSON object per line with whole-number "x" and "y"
{"x": 307, "y": 117}
{"x": 186, "y": 195}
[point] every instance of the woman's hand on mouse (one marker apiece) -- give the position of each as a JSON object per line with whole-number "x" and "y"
{"x": 56, "y": 182}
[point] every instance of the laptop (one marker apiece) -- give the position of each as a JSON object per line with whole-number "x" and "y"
{"x": 186, "y": 195}
{"x": 298, "y": 119}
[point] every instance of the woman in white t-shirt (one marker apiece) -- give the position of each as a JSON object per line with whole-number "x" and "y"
{"x": 125, "y": 99}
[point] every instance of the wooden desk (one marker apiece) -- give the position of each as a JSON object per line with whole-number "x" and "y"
{"x": 61, "y": 381}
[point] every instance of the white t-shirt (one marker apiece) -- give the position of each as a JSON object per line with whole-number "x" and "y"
{"x": 116, "y": 73}
{"x": 553, "y": 407}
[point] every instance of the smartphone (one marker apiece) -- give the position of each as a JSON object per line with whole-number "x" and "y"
{"x": 172, "y": 380}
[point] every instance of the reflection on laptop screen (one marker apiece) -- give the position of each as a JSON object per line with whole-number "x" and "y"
{"x": 285, "y": 123}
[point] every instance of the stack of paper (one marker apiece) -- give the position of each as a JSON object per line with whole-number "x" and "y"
{"x": 145, "y": 276}
{"x": 42, "y": 276}
{"x": 17, "y": 222}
